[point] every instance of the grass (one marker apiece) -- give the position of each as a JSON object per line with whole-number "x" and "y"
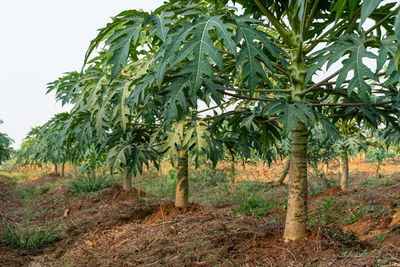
{"x": 27, "y": 238}
{"x": 215, "y": 188}
{"x": 86, "y": 185}
{"x": 162, "y": 186}
{"x": 25, "y": 191}
{"x": 320, "y": 184}
{"x": 372, "y": 182}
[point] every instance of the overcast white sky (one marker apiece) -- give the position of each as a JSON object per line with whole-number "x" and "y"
{"x": 41, "y": 40}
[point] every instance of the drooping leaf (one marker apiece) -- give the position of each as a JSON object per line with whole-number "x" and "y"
{"x": 397, "y": 26}
{"x": 356, "y": 47}
{"x": 175, "y": 95}
{"x": 201, "y": 46}
{"x": 250, "y": 53}
{"x": 160, "y": 23}
{"x": 367, "y": 7}
{"x": 120, "y": 44}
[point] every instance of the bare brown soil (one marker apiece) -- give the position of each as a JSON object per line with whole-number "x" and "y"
{"x": 129, "y": 228}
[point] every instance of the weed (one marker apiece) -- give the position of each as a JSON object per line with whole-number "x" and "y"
{"x": 372, "y": 182}
{"x": 86, "y": 185}
{"x": 28, "y": 238}
{"x": 163, "y": 186}
{"x": 386, "y": 181}
{"x": 341, "y": 237}
{"x": 257, "y": 207}
{"x": 381, "y": 238}
{"x": 219, "y": 197}
{"x": 26, "y": 192}
{"x": 321, "y": 184}
{"x": 43, "y": 189}
{"x": 251, "y": 203}
{"x": 356, "y": 214}
{"x": 9, "y": 165}
{"x": 355, "y": 254}
{"x": 327, "y": 205}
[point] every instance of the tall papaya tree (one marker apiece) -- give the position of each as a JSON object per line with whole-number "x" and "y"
{"x": 293, "y": 62}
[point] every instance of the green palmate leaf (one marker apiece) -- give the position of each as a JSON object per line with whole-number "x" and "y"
{"x": 175, "y": 95}
{"x": 368, "y": 6}
{"x": 174, "y": 138}
{"x": 290, "y": 114}
{"x": 330, "y": 128}
{"x": 358, "y": 52}
{"x": 200, "y": 49}
{"x": 138, "y": 94}
{"x": 125, "y": 90}
{"x": 103, "y": 34}
{"x": 196, "y": 139}
{"x": 397, "y": 26}
{"x": 120, "y": 44}
{"x": 338, "y": 8}
{"x": 388, "y": 47}
{"x": 247, "y": 121}
{"x": 317, "y": 62}
{"x": 160, "y": 23}
{"x": 250, "y": 53}
{"x": 66, "y": 88}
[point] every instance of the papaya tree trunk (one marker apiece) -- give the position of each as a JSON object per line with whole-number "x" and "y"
{"x": 296, "y": 215}
{"x": 284, "y": 172}
{"x": 55, "y": 168}
{"x": 182, "y": 187}
{"x": 345, "y": 170}
{"x": 378, "y": 170}
{"x": 63, "y": 169}
{"x": 233, "y": 171}
{"x": 160, "y": 173}
{"x": 127, "y": 184}
{"x": 326, "y": 168}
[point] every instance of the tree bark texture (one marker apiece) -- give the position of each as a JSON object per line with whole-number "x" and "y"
{"x": 182, "y": 187}
{"x": 345, "y": 170}
{"x": 127, "y": 184}
{"x": 296, "y": 215}
{"x": 55, "y": 168}
{"x": 63, "y": 169}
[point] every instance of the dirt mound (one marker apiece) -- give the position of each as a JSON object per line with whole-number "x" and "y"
{"x": 126, "y": 195}
{"x": 205, "y": 239}
{"x": 168, "y": 211}
{"x": 375, "y": 229}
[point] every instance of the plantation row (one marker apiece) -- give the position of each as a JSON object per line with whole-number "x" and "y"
{"x": 201, "y": 81}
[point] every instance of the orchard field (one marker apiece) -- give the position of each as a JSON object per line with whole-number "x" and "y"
{"x": 216, "y": 132}
{"x": 227, "y": 224}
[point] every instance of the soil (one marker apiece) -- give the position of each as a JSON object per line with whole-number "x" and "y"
{"x": 115, "y": 227}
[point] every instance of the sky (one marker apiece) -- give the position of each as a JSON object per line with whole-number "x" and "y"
{"x": 40, "y": 41}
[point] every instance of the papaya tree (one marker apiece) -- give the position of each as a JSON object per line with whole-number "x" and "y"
{"x": 352, "y": 140}
{"x": 279, "y": 58}
{"x": 5, "y": 146}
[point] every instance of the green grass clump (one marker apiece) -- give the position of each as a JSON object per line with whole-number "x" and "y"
{"x": 86, "y": 185}
{"x": 26, "y": 192}
{"x": 163, "y": 186}
{"x": 255, "y": 199}
{"x": 9, "y": 165}
{"x": 29, "y": 238}
{"x": 255, "y": 206}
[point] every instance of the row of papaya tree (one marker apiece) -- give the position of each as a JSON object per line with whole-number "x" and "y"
{"x": 207, "y": 80}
